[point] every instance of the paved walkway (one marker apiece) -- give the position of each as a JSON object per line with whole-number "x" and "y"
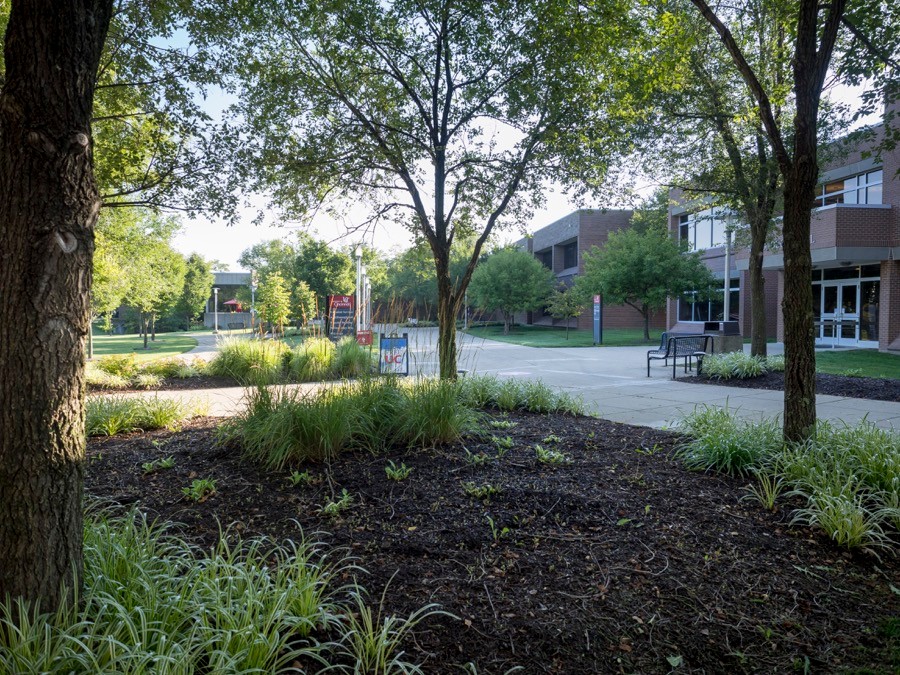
{"x": 612, "y": 381}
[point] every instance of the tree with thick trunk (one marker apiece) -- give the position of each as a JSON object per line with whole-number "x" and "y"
{"x": 48, "y": 207}
{"x": 814, "y": 42}
{"x": 445, "y": 115}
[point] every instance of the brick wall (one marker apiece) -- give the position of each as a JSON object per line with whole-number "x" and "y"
{"x": 889, "y": 306}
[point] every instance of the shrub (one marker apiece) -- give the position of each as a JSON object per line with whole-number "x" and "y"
{"x": 775, "y": 364}
{"x": 250, "y": 362}
{"x": 103, "y": 380}
{"x": 154, "y": 603}
{"x": 725, "y": 443}
{"x": 508, "y": 395}
{"x": 111, "y": 415}
{"x": 736, "y": 365}
{"x": 849, "y": 476}
{"x": 311, "y": 360}
{"x": 123, "y": 365}
{"x": 351, "y": 359}
{"x": 146, "y": 381}
{"x": 164, "y": 367}
{"x": 286, "y": 426}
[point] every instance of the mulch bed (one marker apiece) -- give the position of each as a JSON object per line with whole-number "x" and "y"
{"x": 873, "y": 388}
{"x": 621, "y": 561}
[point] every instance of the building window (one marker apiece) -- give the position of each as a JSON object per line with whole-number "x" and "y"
{"x": 570, "y": 255}
{"x": 545, "y": 258}
{"x": 690, "y": 309}
{"x": 703, "y": 229}
{"x": 866, "y": 188}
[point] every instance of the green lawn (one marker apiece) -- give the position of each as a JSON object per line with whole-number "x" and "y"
{"x": 545, "y": 336}
{"x": 166, "y": 344}
{"x": 859, "y": 362}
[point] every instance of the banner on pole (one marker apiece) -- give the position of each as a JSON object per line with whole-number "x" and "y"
{"x": 393, "y": 355}
{"x": 341, "y": 319}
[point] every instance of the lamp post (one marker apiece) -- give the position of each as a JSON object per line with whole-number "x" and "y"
{"x": 368, "y": 305}
{"x": 253, "y": 284}
{"x": 215, "y": 310}
{"x": 358, "y": 283}
{"x": 729, "y": 230}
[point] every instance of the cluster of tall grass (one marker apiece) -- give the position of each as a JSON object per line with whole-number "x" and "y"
{"x": 111, "y": 415}
{"x": 285, "y": 426}
{"x": 485, "y": 391}
{"x": 122, "y": 371}
{"x": 261, "y": 362}
{"x": 155, "y": 604}
{"x": 740, "y": 365}
{"x": 848, "y": 476}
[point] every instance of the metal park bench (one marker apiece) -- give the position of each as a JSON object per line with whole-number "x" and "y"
{"x": 236, "y": 325}
{"x": 688, "y": 347}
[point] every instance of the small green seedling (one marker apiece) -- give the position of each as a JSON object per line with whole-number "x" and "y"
{"x": 300, "y": 478}
{"x": 480, "y": 491}
{"x": 551, "y": 457}
{"x": 552, "y": 438}
{"x": 334, "y": 508}
{"x": 200, "y": 490}
{"x": 397, "y": 473}
{"x": 503, "y": 442}
{"x": 158, "y": 465}
{"x": 496, "y": 532}
{"x": 503, "y": 424}
{"x": 477, "y": 458}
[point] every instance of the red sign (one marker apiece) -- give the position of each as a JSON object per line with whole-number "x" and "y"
{"x": 364, "y": 337}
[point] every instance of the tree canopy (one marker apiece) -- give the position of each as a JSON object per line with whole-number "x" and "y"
{"x": 510, "y": 281}
{"x": 642, "y": 270}
{"x": 446, "y": 115}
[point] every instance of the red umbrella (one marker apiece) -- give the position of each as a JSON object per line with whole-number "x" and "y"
{"x": 234, "y": 303}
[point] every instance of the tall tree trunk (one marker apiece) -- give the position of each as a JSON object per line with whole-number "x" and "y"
{"x": 796, "y": 307}
{"x": 48, "y": 207}
{"x": 153, "y": 327}
{"x": 646, "y": 314}
{"x": 448, "y": 307}
{"x": 758, "y": 328}
{"x": 144, "y": 328}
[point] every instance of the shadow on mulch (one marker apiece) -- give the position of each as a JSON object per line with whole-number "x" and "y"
{"x": 872, "y": 388}
{"x": 620, "y": 561}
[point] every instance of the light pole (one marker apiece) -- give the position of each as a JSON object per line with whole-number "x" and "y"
{"x": 358, "y": 283}
{"x": 729, "y": 230}
{"x": 215, "y": 310}
{"x": 368, "y": 305}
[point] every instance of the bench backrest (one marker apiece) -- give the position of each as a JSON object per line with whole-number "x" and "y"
{"x": 683, "y": 345}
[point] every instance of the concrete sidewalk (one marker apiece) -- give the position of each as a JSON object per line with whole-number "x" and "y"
{"x": 611, "y": 380}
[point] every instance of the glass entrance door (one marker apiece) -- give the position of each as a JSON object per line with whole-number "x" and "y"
{"x": 840, "y": 313}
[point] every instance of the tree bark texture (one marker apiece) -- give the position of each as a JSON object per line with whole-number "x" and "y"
{"x": 48, "y": 208}
{"x": 758, "y": 328}
{"x": 448, "y": 307}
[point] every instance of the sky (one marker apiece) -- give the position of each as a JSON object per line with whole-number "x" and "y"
{"x": 216, "y": 240}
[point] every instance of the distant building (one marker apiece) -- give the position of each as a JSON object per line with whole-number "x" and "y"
{"x": 561, "y": 246}
{"x": 228, "y": 283}
{"x": 855, "y": 247}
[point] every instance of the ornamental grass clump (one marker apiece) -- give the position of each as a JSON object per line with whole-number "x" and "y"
{"x": 351, "y": 359}
{"x": 155, "y": 604}
{"x": 722, "y": 442}
{"x": 251, "y": 362}
{"x": 111, "y": 415}
{"x": 511, "y": 395}
{"x": 123, "y": 365}
{"x": 312, "y": 360}
{"x": 733, "y": 365}
{"x": 283, "y": 427}
{"x": 848, "y": 476}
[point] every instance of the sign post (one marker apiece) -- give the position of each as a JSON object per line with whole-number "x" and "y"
{"x": 340, "y": 316}
{"x": 598, "y": 319}
{"x": 393, "y": 355}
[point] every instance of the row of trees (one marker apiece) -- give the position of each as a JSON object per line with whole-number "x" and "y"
{"x": 136, "y": 266}
{"x": 397, "y": 105}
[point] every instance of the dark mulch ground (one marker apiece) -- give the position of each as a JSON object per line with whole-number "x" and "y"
{"x": 619, "y": 562}
{"x": 874, "y": 388}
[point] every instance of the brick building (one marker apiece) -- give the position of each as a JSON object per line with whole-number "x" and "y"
{"x": 855, "y": 247}
{"x": 561, "y": 245}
